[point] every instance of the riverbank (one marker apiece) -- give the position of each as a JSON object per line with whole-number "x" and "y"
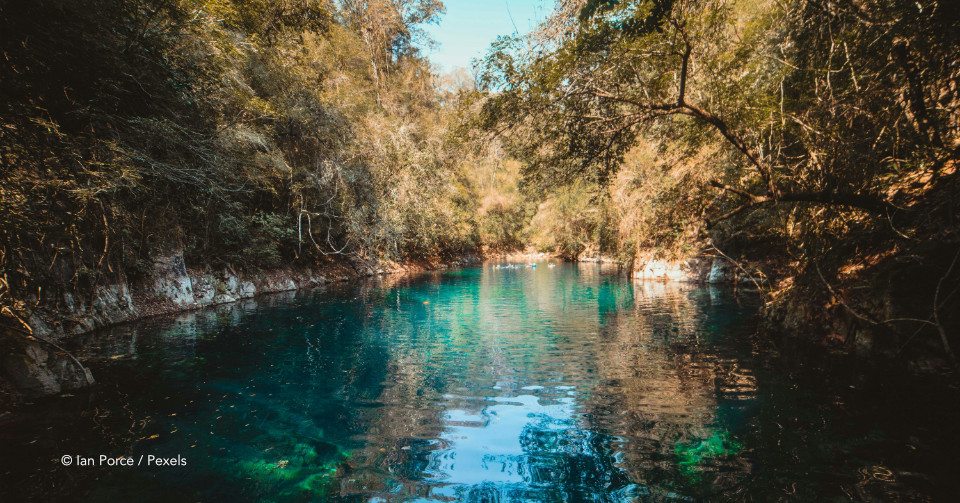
{"x": 794, "y": 320}
{"x": 647, "y": 265}
{"x": 36, "y": 364}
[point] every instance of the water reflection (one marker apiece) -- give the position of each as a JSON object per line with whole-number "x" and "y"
{"x": 525, "y": 384}
{"x": 544, "y": 384}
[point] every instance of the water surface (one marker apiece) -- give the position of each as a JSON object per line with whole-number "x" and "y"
{"x": 560, "y": 383}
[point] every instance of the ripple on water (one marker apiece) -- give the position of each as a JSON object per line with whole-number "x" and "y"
{"x": 524, "y": 384}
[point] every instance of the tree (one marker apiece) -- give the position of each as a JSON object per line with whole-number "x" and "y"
{"x": 625, "y": 66}
{"x": 838, "y": 127}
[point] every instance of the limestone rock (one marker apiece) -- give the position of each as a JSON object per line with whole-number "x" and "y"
{"x": 721, "y": 271}
{"x": 667, "y": 270}
{"x": 37, "y": 368}
{"x": 172, "y": 282}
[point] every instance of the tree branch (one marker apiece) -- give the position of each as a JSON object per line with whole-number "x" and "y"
{"x": 857, "y": 201}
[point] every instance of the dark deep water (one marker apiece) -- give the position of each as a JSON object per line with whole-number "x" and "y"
{"x": 485, "y": 384}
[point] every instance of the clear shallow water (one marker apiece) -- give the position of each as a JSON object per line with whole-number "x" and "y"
{"x": 532, "y": 384}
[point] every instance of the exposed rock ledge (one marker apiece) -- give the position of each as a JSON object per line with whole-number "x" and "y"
{"x": 698, "y": 269}
{"x": 38, "y": 366}
{"x": 701, "y": 269}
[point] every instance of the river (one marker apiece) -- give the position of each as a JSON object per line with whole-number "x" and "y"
{"x": 559, "y": 382}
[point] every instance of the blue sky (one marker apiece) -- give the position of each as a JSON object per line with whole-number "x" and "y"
{"x": 469, "y": 26}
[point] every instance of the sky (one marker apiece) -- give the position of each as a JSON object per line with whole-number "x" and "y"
{"x": 469, "y": 26}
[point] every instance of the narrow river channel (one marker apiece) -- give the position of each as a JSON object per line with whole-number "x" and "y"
{"x": 558, "y": 382}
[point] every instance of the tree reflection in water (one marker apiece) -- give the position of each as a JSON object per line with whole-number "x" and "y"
{"x": 525, "y": 384}
{"x": 558, "y": 387}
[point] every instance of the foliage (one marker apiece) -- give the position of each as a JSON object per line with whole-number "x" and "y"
{"x": 247, "y": 134}
{"x": 801, "y": 132}
{"x": 565, "y": 222}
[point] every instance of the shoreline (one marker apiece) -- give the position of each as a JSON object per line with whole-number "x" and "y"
{"x": 36, "y": 364}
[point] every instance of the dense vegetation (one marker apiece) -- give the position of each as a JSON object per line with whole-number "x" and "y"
{"x": 247, "y": 134}
{"x": 818, "y": 140}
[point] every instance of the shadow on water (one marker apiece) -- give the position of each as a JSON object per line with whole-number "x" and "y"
{"x": 488, "y": 384}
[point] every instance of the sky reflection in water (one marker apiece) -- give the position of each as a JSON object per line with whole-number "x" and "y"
{"x": 529, "y": 384}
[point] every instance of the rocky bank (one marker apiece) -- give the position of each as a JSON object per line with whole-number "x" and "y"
{"x": 37, "y": 364}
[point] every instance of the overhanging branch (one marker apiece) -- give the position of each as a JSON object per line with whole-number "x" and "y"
{"x": 861, "y": 202}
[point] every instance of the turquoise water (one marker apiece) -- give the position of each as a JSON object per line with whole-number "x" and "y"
{"x": 562, "y": 383}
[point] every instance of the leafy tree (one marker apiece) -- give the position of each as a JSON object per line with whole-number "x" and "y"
{"x": 833, "y": 125}
{"x": 246, "y": 134}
